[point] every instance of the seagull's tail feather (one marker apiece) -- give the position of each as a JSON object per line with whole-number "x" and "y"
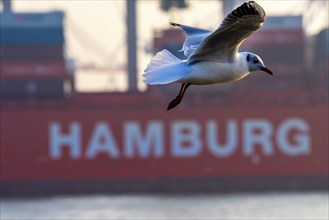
{"x": 165, "y": 68}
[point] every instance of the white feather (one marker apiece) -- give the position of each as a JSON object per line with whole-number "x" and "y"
{"x": 161, "y": 59}
{"x": 165, "y": 68}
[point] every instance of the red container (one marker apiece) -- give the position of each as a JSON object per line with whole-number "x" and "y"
{"x": 33, "y": 69}
{"x": 286, "y": 68}
{"x": 169, "y": 36}
{"x": 276, "y": 37}
{"x": 32, "y": 88}
{"x": 283, "y": 53}
{"x": 287, "y": 76}
{"x": 320, "y": 75}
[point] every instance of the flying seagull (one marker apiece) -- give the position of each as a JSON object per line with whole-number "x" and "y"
{"x": 212, "y": 57}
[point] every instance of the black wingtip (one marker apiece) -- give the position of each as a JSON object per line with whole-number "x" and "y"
{"x": 174, "y": 24}
{"x": 248, "y": 8}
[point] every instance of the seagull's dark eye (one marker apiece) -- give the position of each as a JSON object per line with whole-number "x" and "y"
{"x": 255, "y": 61}
{"x": 248, "y": 57}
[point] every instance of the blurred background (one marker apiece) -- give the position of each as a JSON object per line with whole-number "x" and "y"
{"x": 83, "y": 137}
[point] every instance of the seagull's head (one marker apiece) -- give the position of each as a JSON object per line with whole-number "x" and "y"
{"x": 255, "y": 63}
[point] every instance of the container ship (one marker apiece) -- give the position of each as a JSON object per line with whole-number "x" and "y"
{"x": 262, "y": 133}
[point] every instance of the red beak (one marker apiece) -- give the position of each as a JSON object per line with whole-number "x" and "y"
{"x": 266, "y": 70}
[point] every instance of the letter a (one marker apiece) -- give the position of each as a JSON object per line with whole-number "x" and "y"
{"x": 102, "y": 140}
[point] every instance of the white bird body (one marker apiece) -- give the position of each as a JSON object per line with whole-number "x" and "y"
{"x": 165, "y": 68}
{"x": 210, "y": 72}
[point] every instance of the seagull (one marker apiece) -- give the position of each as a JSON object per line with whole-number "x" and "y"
{"x": 212, "y": 57}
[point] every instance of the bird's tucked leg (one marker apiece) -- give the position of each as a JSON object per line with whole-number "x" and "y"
{"x": 178, "y": 98}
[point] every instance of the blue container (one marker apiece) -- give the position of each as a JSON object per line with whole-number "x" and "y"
{"x": 52, "y": 35}
{"x": 321, "y": 53}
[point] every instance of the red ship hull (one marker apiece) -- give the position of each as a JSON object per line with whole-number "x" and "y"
{"x": 107, "y": 149}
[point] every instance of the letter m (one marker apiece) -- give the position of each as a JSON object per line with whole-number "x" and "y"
{"x": 143, "y": 145}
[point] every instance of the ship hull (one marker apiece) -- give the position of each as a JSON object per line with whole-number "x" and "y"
{"x": 110, "y": 150}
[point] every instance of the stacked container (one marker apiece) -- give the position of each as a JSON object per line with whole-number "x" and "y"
{"x": 32, "y": 55}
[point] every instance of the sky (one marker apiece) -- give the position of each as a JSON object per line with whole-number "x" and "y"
{"x": 95, "y": 30}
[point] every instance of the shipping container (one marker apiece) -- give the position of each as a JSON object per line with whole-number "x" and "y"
{"x": 42, "y": 69}
{"x": 287, "y": 76}
{"x": 168, "y": 37}
{"x": 320, "y": 75}
{"x": 321, "y": 47}
{"x": 32, "y": 52}
{"x": 32, "y": 35}
{"x": 283, "y": 54}
{"x": 259, "y": 83}
{"x": 274, "y": 38}
{"x": 52, "y": 19}
{"x": 283, "y": 23}
{"x": 34, "y": 88}
{"x": 286, "y": 68}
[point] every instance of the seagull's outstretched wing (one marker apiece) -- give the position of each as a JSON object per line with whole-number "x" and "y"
{"x": 194, "y": 36}
{"x": 223, "y": 44}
